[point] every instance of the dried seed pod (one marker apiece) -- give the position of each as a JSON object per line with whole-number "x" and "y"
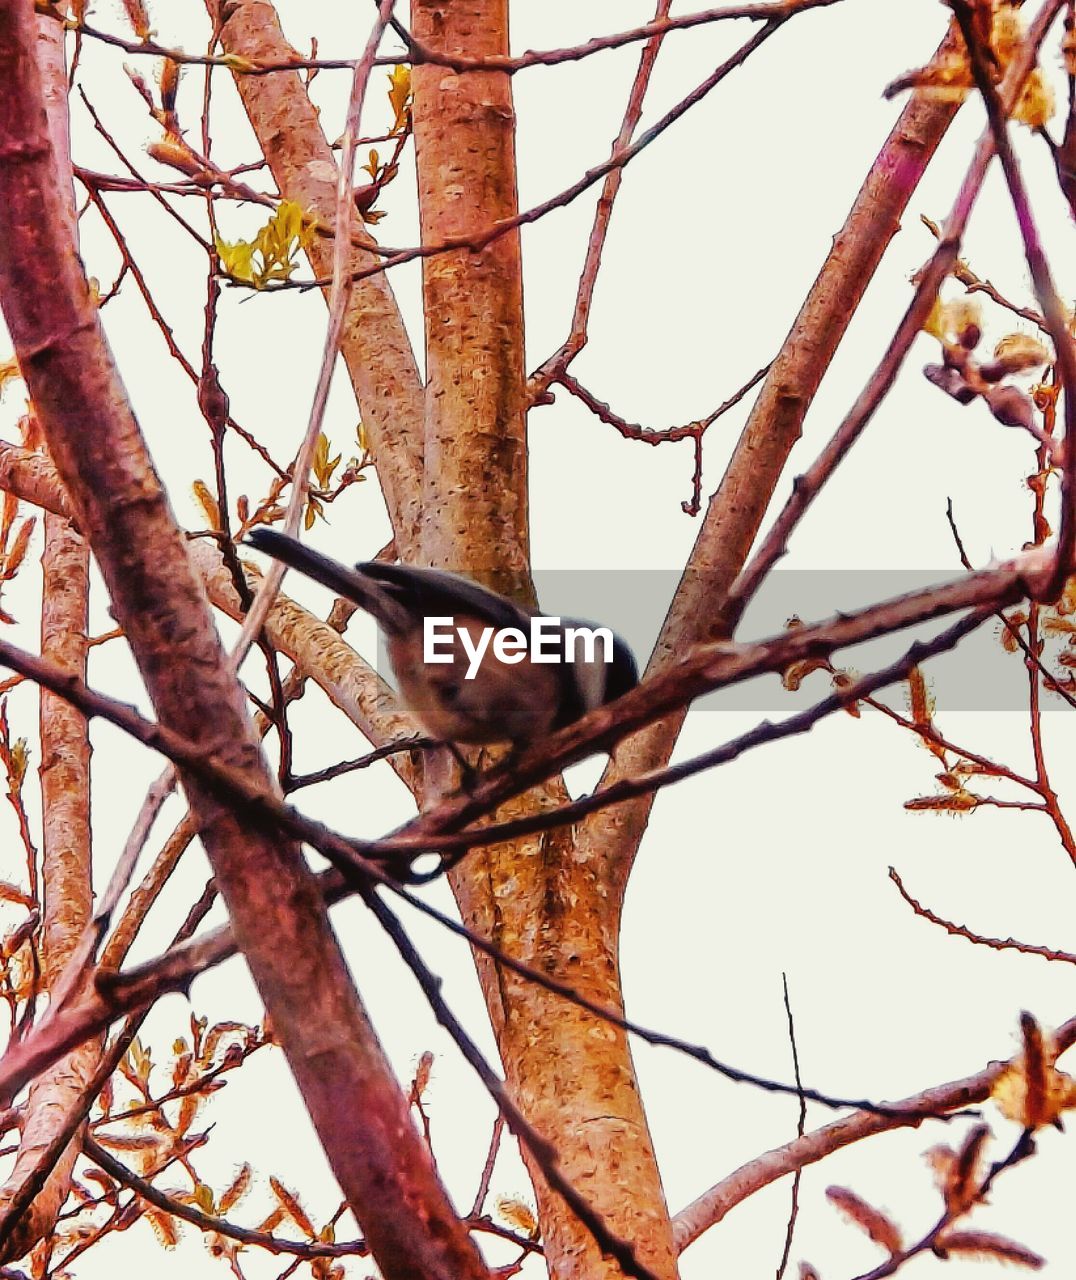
{"x": 1010, "y": 406}
{"x": 970, "y": 336}
{"x": 1019, "y": 352}
{"x": 878, "y": 1225}
{"x": 951, "y": 382}
{"x": 174, "y": 152}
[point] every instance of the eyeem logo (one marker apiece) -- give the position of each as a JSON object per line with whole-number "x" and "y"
{"x": 548, "y": 642}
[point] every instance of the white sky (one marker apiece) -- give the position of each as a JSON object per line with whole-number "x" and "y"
{"x": 778, "y": 862}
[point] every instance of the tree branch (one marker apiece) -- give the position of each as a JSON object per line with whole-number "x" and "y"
{"x": 273, "y": 900}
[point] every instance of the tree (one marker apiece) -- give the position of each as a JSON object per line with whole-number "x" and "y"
{"x": 539, "y": 880}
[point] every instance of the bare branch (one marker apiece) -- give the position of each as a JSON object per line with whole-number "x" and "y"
{"x": 273, "y": 900}
{"x": 713, "y": 1205}
{"x": 962, "y": 931}
{"x": 1041, "y": 277}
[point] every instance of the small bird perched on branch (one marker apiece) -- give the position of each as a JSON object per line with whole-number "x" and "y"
{"x": 473, "y": 667}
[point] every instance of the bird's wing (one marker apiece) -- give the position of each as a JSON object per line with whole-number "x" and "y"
{"x": 433, "y": 592}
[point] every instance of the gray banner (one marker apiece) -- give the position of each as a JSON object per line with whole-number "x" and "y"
{"x": 979, "y": 676}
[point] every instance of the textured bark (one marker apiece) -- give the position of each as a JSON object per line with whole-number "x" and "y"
{"x": 736, "y": 511}
{"x": 65, "y": 793}
{"x": 276, "y": 911}
{"x": 572, "y": 1075}
{"x": 558, "y": 906}
{"x": 374, "y": 345}
{"x": 350, "y": 683}
{"x": 65, "y": 875}
{"x": 32, "y": 478}
{"x": 475, "y": 508}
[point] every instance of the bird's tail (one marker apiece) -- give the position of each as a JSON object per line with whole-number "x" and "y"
{"x": 330, "y": 573}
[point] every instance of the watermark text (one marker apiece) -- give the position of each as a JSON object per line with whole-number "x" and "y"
{"x": 549, "y": 641}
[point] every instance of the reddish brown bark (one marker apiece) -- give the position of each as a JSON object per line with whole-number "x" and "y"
{"x": 65, "y": 797}
{"x": 736, "y": 511}
{"x": 374, "y": 345}
{"x": 572, "y": 1075}
{"x": 475, "y": 507}
{"x": 65, "y": 875}
{"x": 279, "y": 920}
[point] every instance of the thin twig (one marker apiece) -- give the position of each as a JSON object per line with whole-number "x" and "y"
{"x": 172, "y": 1205}
{"x": 296, "y": 781}
{"x": 713, "y": 1205}
{"x": 974, "y": 283}
{"x": 577, "y": 336}
{"x": 778, "y": 12}
{"x": 563, "y": 198}
{"x": 1053, "y": 310}
{"x": 693, "y": 431}
{"x": 805, "y": 488}
{"x": 1023, "y": 1148}
{"x": 801, "y": 1122}
{"x": 982, "y": 940}
{"x": 339, "y": 296}
{"x": 487, "y": 1168}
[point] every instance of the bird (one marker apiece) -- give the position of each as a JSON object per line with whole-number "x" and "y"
{"x": 472, "y": 666}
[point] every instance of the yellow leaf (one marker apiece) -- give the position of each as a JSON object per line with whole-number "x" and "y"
{"x": 9, "y": 371}
{"x": 960, "y": 801}
{"x": 422, "y": 1074}
{"x": 169, "y": 77}
{"x": 960, "y": 316}
{"x": 175, "y": 153}
{"x": 165, "y": 1227}
{"x": 989, "y": 1247}
{"x": 399, "y": 95}
{"x": 17, "y": 553}
{"x": 275, "y": 246}
{"x": 922, "y": 704}
{"x": 1036, "y": 104}
{"x": 235, "y": 62}
{"x": 138, "y": 18}
{"x": 204, "y": 1198}
{"x": 792, "y": 677}
{"x": 20, "y": 759}
{"x": 292, "y": 1206}
{"x": 12, "y": 893}
{"x": 313, "y": 510}
{"x": 1044, "y": 1104}
{"x": 321, "y": 464}
{"x": 1006, "y": 32}
{"x": 236, "y": 259}
{"x": 934, "y": 322}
